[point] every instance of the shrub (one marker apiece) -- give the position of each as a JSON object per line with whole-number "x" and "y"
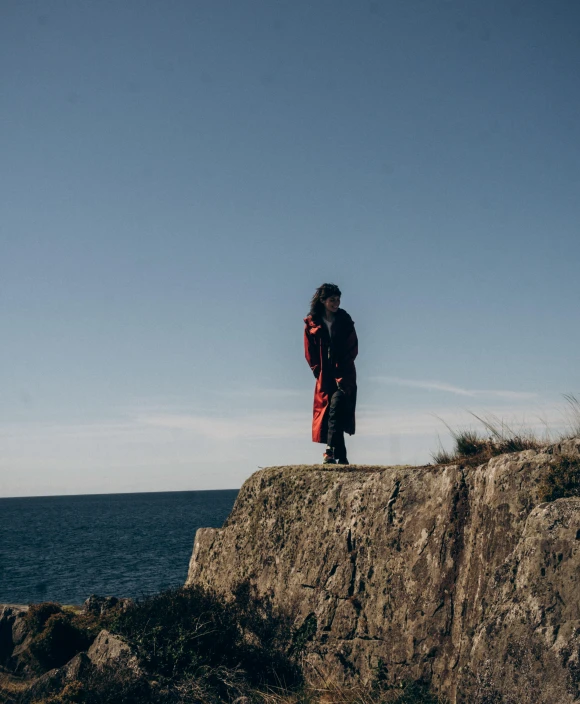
{"x": 55, "y": 638}
{"x": 192, "y": 634}
{"x": 38, "y": 614}
{"x": 58, "y": 642}
{"x": 193, "y": 645}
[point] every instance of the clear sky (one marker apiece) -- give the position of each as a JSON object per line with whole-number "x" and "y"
{"x": 177, "y": 177}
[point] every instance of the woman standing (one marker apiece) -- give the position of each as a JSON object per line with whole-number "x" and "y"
{"x": 331, "y": 346}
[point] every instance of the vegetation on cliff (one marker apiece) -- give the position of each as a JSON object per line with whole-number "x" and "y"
{"x": 496, "y": 437}
{"x": 182, "y": 645}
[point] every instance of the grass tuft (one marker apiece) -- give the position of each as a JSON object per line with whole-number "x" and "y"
{"x": 469, "y": 444}
{"x": 333, "y": 693}
{"x": 472, "y": 448}
{"x": 572, "y": 415}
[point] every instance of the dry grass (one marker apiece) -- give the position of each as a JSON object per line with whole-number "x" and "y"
{"x": 11, "y": 685}
{"x": 572, "y": 416}
{"x": 333, "y": 693}
{"x": 495, "y": 437}
{"x": 111, "y": 687}
{"x": 473, "y": 447}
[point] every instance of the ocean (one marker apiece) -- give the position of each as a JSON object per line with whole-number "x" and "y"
{"x": 65, "y": 548}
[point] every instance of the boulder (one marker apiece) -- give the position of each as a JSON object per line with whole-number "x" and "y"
{"x": 13, "y": 630}
{"x": 55, "y": 680}
{"x": 15, "y": 639}
{"x": 109, "y": 650}
{"x": 109, "y": 655}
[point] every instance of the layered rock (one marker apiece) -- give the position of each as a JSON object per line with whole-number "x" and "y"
{"x": 460, "y": 576}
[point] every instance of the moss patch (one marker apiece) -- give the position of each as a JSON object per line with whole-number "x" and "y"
{"x": 562, "y": 480}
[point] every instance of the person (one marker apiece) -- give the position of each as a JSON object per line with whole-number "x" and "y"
{"x": 330, "y": 347}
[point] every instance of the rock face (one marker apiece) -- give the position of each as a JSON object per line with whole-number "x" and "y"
{"x": 460, "y": 576}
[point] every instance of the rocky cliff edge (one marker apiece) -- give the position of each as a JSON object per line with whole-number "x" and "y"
{"x": 464, "y": 577}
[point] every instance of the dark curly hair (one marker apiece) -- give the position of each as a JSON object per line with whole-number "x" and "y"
{"x": 322, "y": 292}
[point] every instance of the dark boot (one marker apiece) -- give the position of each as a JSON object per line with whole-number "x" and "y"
{"x": 340, "y": 450}
{"x": 328, "y": 456}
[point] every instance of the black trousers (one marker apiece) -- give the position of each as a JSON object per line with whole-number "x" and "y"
{"x": 338, "y": 402}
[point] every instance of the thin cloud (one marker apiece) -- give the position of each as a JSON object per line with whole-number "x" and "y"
{"x": 376, "y": 422}
{"x": 154, "y": 449}
{"x": 260, "y": 392}
{"x": 146, "y": 427}
{"x": 457, "y": 390}
{"x": 225, "y": 429}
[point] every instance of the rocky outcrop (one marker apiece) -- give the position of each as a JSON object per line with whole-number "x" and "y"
{"x": 53, "y": 681}
{"x": 109, "y": 657}
{"x": 100, "y": 605}
{"x": 108, "y": 653}
{"x": 14, "y": 637}
{"x": 464, "y": 577}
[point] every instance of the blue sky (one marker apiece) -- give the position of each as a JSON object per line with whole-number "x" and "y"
{"x": 178, "y": 177}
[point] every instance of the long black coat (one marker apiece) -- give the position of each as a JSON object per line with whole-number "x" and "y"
{"x": 331, "y": 359}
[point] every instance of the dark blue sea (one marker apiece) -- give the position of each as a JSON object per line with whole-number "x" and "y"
{"x": 64, "y": 548}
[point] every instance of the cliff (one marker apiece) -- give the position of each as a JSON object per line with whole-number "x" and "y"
{"x": 464, "y": 577}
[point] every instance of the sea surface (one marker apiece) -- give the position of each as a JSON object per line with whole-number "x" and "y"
{"x": 65, "y": 548}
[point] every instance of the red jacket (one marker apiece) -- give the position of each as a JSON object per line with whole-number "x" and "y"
{"x": 332, "y": 362}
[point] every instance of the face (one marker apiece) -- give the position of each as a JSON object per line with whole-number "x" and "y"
{"x": 331, "y": 303}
